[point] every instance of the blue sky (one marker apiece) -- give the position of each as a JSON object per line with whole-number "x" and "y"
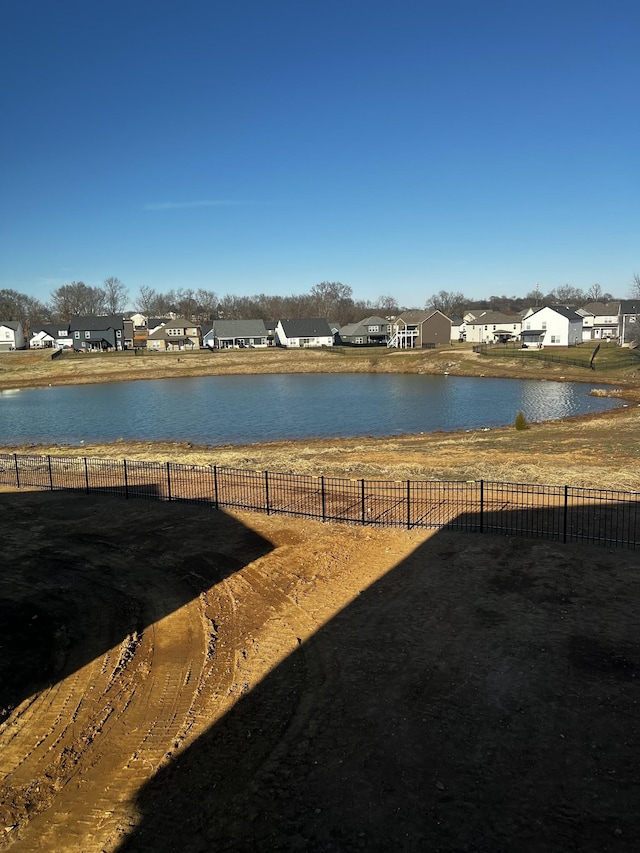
{"x": 249, "y": 147}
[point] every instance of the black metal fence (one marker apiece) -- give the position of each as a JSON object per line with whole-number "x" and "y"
{"x": 562, "y": 513}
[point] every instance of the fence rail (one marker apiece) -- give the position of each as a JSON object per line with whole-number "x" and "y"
{"x": 562, "y": 513}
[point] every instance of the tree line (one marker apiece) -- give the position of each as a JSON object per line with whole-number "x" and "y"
{"x": 455, "y": 304}
{"x": 329, "y": 299}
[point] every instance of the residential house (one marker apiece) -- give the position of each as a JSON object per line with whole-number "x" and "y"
{"x": 491, "y": 327}
{"x": 99, "y": 333}
{"x": 372, "y": 331}
{"x": 629, "y": 321}
{"x": 420, "y": 329}
{"x": 458, "y": 328}
{"x": 234, "y": 334}
{"x": 11, "y": 335}
{"x": 303, "y": 333}
{"x": 56, "y": 335}
{"x": 600, "y": 321}
{"x": 140, "y": 330}
{"x": 554, "y": 326}
{"x": 178, "y": 334}
{"x": 155, "y": 323}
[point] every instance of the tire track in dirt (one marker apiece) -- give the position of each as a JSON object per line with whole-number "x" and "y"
{"x": 128, "y": 715}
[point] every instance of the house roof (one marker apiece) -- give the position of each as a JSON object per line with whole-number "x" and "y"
{"x": 568, "y": 313}
{"x": 415, "y": 316}
{"x": 630, "y": 306}
{"x": 313, "y": 327}
{"x": 16, "y": 325}
{"x": 361, "y": 328}
{"x": 180, "y": 323}
{"x": 239, "y": 329}
{"x": 52, "y": 329}
{"x": 601, "y": 309}
{"x": 484, "y": 318}
{"x": 94, "y": 323}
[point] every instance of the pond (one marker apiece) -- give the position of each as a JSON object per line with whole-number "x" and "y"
{"x": 246, "y": 409}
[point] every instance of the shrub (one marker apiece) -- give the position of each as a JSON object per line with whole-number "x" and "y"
{"x": 521, "y": 421}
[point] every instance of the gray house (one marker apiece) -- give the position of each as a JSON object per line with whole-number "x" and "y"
{"x": 629, "y": 321}
{"x": 372, "y": 331}
{"x": 96, "y": 334}
{"x": 233, "y": 334}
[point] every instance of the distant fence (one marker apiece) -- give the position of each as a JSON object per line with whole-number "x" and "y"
{"x": 561, "y": 513}
{"x": 516, "y": 350}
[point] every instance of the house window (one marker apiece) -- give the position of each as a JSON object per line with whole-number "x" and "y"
{"x": 544, "y": 324}
{"x": 76, "y": 335}
{"x": 555, "y": 339}
{"x": 87, "y": 334}
{"x": 62, "y": 333}
{"x": 118, "y": 333}
{"x": 374, "y": 328}
{"x": 359, "y": 340}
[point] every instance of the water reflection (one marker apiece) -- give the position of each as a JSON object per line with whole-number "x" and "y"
{"x": 243, "y": 409}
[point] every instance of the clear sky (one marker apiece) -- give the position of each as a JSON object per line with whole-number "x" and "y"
{"x": 246, "y": 147}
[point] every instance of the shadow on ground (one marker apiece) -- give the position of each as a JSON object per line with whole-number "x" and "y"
{"x": 481, "y": 696}
{"x": 57, "y": 608}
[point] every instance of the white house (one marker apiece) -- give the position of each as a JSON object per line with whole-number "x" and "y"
{"x": 490, "y": 327}
{"x": 600, "y": 321}
{"x": 11, "y": 335}
{"x": 303, "y": 333}
{"x": 552, "y": 326}
{"x": 56, "y": 335}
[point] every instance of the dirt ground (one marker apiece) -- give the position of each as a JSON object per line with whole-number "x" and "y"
{"x": 178, "y": 679}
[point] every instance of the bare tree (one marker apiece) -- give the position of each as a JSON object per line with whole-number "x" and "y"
{"x": 594, "y": 294}
{"x": 154, "y": 304}
{"x": 332, "y": 300}
{"x": 566, "y": 294}
{"x": 116, "y": 295}
{"x": 206, "y": 305}
{"x": 77, "y": 298}
{"x": 449, "y": 303}
{"x": 24, "y": 309}
{"x": 386, "y": 305}
{"x": 635, "y": 286}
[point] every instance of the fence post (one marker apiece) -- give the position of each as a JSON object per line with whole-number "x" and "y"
{"x": 266, "y": 489}
{"x": 15, "y": 462}
{"x": 324, "y": 509}
{"x": 50, "y": 474}
{"x": 126, "y": 481}
{"x": 566, "y": 513}
{"x": 481, "y": 506}
{"x": 408, "y": 504}
{"x": 215, "y": 486}
{"x": 86, "y": 474}
{"x": 362, "y": 500}
{"x": 168, "y": 481}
